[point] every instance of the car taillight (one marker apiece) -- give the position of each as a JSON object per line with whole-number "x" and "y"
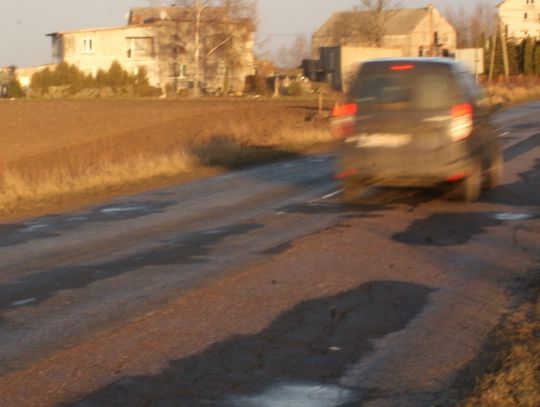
{"x": 404, "y": 67}
{"x": 462, "y": 122}
{"x": 344, "y": 120}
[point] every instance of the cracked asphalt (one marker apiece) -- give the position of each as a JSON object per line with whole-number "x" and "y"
{"x": 258, "y": 288}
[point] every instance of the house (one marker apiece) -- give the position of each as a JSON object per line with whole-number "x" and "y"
{"x": 162, "y": 41}
{"x": 422, "y": 31}
{"x": 347, "y": 39}
{"x": 520, "y": 18}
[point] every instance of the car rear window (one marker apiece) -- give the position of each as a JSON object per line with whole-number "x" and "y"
{"x": 403, "y": 90}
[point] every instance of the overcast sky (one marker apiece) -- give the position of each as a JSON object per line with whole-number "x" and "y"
{"x": 24, "y": 23}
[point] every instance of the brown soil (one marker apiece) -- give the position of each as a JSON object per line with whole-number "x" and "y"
{"x": 40, "y": 136}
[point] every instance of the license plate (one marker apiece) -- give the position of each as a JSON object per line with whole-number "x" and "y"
{"x": 380, "y": 140}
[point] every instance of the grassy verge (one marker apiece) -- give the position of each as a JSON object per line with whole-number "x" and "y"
{"x": 508, "y": 94}
{"x": 188, "y": 145}
{"x": 513, "y": 379}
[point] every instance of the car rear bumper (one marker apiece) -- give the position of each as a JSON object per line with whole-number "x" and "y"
{"x": 399, "y": 169}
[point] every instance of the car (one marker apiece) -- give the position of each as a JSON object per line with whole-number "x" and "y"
{"x": 416, "y": 122}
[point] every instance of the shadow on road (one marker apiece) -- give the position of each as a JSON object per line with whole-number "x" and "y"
{"x": 55, "y": 225}
{"x": 447, "y": 229}
{"x": 193, "y": 248}
{"x": 298, "y": 359}
{"x": 521, "y": 193}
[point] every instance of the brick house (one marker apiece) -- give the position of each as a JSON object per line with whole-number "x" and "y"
{"x": 415, "y": 31}
{"x": 343, "y": 41}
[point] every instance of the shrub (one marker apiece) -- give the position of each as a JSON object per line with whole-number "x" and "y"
{"x": 295, "y": 89}
{"x": 41, "y": 81}
{"x": 117, "y": 78}
{"x": 14, "y": 89}
{"x": 68, "y": 80}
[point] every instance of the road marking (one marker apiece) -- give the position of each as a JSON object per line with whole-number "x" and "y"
{"x": 23, "y": 302}
{"x": 333, "y": 194}
{"x": 34, "y": 227}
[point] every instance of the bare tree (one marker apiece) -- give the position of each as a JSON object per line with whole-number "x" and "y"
{"x": 379, "y": 11}
{"x": 207, "y": 35}
{"x": 230, "y": 20}
{"x": 292, "y": 56}
{"x": 474, "y": 24}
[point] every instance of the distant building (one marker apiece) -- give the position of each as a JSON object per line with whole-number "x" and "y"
{"x": 422, "y": 31}
{"x": 161, "y": 39}
{"x": 346, "y": 39}
{"x": 520, "y": 18}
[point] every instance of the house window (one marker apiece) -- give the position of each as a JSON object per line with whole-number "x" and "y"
{"x": 140, "y": 47}
{"x": 221, "y": 69}
{"x": 525, "y": 16}
{"x": 183, "y": 71}
{"x": 88, "y": 45}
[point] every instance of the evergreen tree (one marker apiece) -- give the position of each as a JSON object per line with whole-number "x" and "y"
{"x": 536, "y": 58}
{"x": 529, "y": 46}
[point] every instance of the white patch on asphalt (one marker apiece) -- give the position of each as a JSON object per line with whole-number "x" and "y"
{"x": 213, "y": 232}
{"x": 316, "y": 159}
{"x": 34, "y": 227}
{"x": 76, "y": 219}
{"x": 296, "y": 395}
{"x": 119, "y": 209}
{"x": 23, "y": 302}
{"x": 513, "y": 217}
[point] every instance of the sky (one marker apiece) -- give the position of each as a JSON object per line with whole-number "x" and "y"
{"x": 25, "y": 23}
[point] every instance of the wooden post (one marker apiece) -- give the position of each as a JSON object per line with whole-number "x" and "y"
{"x": 492, "y": 61}
{"x": 505, "y": 53}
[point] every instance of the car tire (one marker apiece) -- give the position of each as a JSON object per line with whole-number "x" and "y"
{"x": 351, "y": 191}
{"x": 471, "y": 186}
{"x": 495, "y": 172}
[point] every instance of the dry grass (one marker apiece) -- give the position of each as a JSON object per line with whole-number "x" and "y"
{"x": 38, "y": 189}
{"x": 515, "y": 379}
{"x": 168, "y": 149}
{"x": 504, "y": 94}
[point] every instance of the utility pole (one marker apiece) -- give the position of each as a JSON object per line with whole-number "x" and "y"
{"x": 505, "y": 52}
{"x": 198, "y": 12}
{"x": 492, "y": 61}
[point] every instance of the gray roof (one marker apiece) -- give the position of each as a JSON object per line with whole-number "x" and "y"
{"x": 145, "y": 15}
{"x": 397, "y": 22}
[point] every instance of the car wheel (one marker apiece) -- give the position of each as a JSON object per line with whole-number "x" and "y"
{"x": 471, "y": 186}
{"x": 351, "y": 191}
{"x": 495, "y": 172}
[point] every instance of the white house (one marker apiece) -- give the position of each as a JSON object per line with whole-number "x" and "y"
{"x": 520, "y": 18}
{"x": 94, "y": 49}
{"x": 161, "y": 39}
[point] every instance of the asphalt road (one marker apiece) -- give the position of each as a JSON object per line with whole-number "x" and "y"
{"x": 258, "y": 288}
